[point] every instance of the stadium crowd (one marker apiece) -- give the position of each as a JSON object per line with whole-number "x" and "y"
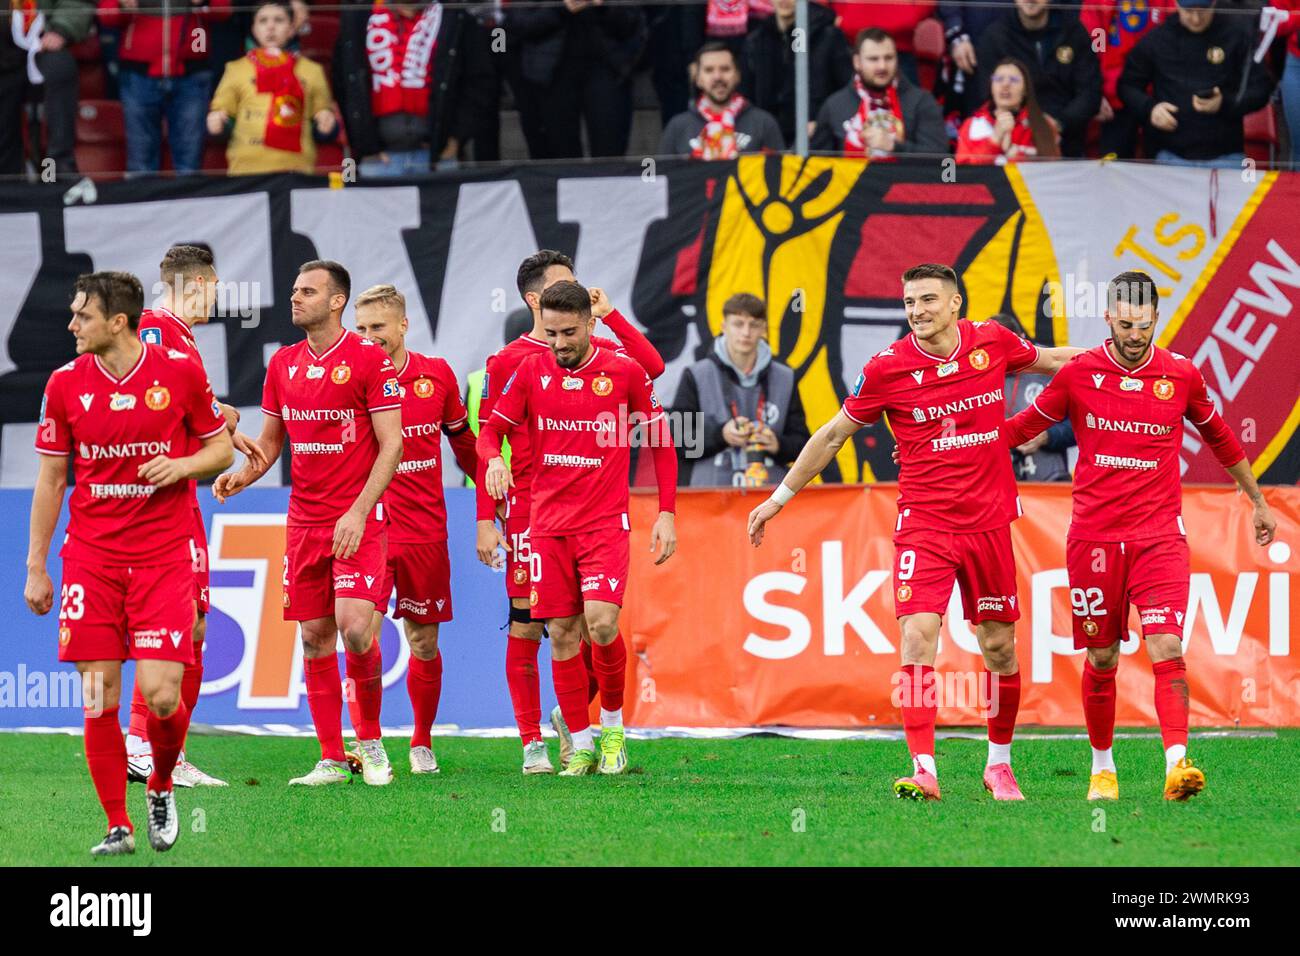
{"x": 282, "y": 85}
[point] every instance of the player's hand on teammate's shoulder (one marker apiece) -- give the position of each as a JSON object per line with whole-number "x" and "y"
{"x": 490, "y": 541}
{"x": 38, "y": 592}
{"x": 664, "y": 533}
{"x": 758, "y": 519}
{"x": 498, "y": 479}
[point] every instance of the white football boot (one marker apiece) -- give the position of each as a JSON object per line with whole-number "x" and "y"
{"x": 536, "y": 759}
{"x": 325, "y": 772}
{"x": 423, "y": 760}
{"x": 375, "y": 768}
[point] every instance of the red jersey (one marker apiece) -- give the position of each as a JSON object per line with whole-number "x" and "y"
{"x": 945, "y": 413}
{"x": 431, "y": 405}
{"x": 112, "y": 426}
{"x": 166, "y": 328}
{"x": 325, "y": 402}
{"x": 578, "y": 422}
{"x": 1128, "y": 423}
{"x": 502, "y": 365}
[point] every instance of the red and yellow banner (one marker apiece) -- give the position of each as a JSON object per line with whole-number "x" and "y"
{"x": 801, "y": 631}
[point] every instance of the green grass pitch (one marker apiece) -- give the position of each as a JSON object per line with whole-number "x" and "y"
{"x": 756, "y": 801}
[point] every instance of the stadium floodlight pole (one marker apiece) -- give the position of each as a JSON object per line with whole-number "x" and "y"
{"x": 801, "y": 77}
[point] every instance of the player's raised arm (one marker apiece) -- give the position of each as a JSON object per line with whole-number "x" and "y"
{"x": 1052, "y": 360}
{"x": 633, "y": 342}
{"x": 47, "y": 500}
{"x": 819, "y": 452}
{"x": 1051, "y": 407}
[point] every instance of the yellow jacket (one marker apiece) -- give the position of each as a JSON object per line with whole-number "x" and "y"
{"x": 237, "y": 95}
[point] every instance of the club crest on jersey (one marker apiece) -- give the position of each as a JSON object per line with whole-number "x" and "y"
{"x": 117, "y": 402}
{"x": 546, "y": 381}
{"x": 65, "y": 635}
{"x": 157, "y": 397}
{"x": 315, "y": 371}
{"x": 151, "y": 336}
{"x": 532, "y": 598}
{"x": 1127, "y": 384}
{"x": 521, "y": 575}
{"x": 86, "y": 400}
{"x": 1097, "y": 380}
{"x": 979, "y": 360}
{"x": 571, "y": 384}
{"x": 341, "y": 374}
{"x": 391, "y": 388}
{"x": 904, "y": 593}
{"x": 1090, "y": 628}
{"x": 602, "y": 385}
{"x": 1163, "y": 389}
{"x": 947, "y": 368}
{"x": 423, "y": 387}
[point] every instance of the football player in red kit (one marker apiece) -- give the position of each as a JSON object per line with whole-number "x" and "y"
{"x": 335, "y": 396}
{"x": 188, "y": 282}
{"x": 418, "y": 564}
{"x": 581, "y": 403}
{"x": 536, "y": 273}
{"x": 941, "y": 388}
{"x": 1127, "y": 546}
{"x": 139, "y": 422}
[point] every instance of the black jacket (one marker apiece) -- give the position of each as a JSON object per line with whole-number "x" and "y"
{"x": 767, "y": 74}
{"x": 1170, "y": 63}
{"x": 923, "y": 126}
{"x": 461, "y": 85}
{"x": 1067, "y": 76}
{"x": 615, "y": 35}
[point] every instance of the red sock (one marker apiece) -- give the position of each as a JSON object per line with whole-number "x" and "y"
{"x": 325, "y": 700}
{"x": 167, "y": 735}
{"x": 920, "y": 706}
{"x": 366, "y": 672}
{"x": 106, "y": 758}
{"x": 610, "y": 663}
{"x": 593, "y": 685}
{"x": 191, "y": 680}
{"x": 525, "y": 686}
{"x": 1004, "y": 707}
{"x": 424, "y": 684}
{"x": 1172, "y": 701}
{"x": 139, "y": 725}
{"x": 1099, "y": 705}
{"x": 570, "y": 679}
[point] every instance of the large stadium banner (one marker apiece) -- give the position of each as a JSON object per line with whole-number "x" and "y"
{"x": 798, "y": 632}
{"x": 823, "y": 241}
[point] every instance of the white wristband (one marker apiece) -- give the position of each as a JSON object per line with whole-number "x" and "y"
{"x": 782, "y": 494}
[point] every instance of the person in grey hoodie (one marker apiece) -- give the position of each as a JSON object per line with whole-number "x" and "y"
{"x": 720, "y": 124}
{"x": 880, "y": 113}
{"x": 753, "y": 418}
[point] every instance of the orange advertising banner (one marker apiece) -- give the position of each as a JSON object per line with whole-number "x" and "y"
{"x": 801, "y": 631}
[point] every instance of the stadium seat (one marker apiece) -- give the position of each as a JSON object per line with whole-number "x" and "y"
{"x": 318, "y": 43}
{"x": 92, "y": 81}
{"x": 101, "y": 139}
{"x": 928, "y": 39}
{"x": 1261, "y": 135}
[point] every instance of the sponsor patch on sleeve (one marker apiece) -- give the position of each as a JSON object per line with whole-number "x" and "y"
{"x": 151, "y": 336}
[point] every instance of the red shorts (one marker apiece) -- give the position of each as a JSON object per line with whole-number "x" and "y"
{"x": 117, "y": 613}
{"x": 521, "y": 566}
{"x": 588, "y": 566}
{"x": 927, "y": 562}
{"x": 1106, "y": 577}
{"x": 421, "y": 572}
{"x": 199, "y": 553}
{"x": 314, "y": 579}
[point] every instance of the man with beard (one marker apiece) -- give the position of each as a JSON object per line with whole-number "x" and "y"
{"x": 721, "y": 124}
{"x": 881, "y": 113}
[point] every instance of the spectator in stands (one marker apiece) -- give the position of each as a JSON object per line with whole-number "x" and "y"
{"x": 410, "y": 79}
{"x": 272, "y": 102}
{"x": 164, "y": 76}
{"x": 898, "y": 18}
{"x": 34, "y": 40}
{"x": 1011, "y": 125}
{"x": 1058, "y": 51}
{"x": 879, "y": 113}
{"x": 721, "y": 124}
{"x": 1043, "y": 457}
{"x": 753, "y": 418}
{"x": 768, "y": 74}
{"x": 677, "y": 29}
{"x": 1193, "y": 80}
{"x": 1122, "y": 27}
{"x": 963, "y": 25}
{"x": 574, "y": 71}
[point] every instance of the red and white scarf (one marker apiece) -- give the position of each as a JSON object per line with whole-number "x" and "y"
{"x": 274, "y": 74}
{"x": 717, "y": 139}
{"x": 730, "y": 18}
{"x": 875, "y": 108}
{"x": 401, "y": 52}
{"x": 26, "y": 24}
